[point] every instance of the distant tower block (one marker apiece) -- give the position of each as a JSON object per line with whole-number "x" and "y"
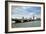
{"x": 33, "y": 17}
{"x": 22, "y": 19}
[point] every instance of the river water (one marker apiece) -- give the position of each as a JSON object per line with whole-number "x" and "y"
{"x": 27, "y": 24}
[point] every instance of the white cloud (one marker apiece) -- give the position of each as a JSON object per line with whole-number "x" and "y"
{"x": 22, "y": 12}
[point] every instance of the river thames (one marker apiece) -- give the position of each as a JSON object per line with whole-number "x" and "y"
{"x": 27, "y": 24}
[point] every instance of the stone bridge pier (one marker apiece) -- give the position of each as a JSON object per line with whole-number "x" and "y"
{"x": 22, "y": 21}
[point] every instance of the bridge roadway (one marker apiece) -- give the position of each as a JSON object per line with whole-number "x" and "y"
{"x": 22, "y": 20}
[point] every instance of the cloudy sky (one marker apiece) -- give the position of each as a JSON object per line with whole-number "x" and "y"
{"x": 25, "y": 11}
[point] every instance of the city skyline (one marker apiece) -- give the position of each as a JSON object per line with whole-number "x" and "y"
{"x": 25, "y": 11}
